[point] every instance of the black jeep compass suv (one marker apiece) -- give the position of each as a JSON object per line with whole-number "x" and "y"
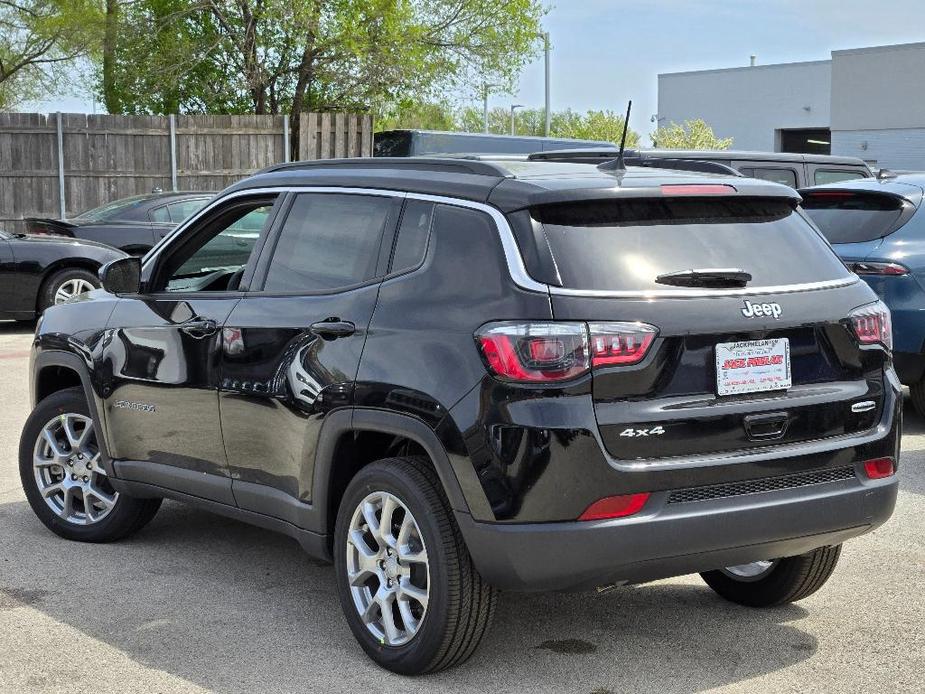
{"x": 455, "y": 377}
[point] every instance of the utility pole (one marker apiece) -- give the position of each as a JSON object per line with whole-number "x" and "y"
{"x": 485, "y": 106}
{"x": 514, "y": 107}
{"x": 548, "y": 113}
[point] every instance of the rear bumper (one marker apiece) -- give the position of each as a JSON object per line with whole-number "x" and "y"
{"x": 675, "y": 539}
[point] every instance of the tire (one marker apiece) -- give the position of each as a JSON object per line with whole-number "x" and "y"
{"x": 101, "y": 515}
{"x": 917, "y": 395}
{"x": 459, "y": 605}
{"x": 77, "y": 277}
{"x": 786, "y": 581}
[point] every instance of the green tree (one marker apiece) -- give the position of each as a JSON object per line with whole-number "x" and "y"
{"x": 286, "y": 56}
{"x": 592, "y": 125}
{"x": 423, "y": 115}
{"x": 39, "y": 40}
{"x": 691, "y": 134}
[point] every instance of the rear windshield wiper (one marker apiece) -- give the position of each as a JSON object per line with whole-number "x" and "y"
{"x": 706, "y": 277}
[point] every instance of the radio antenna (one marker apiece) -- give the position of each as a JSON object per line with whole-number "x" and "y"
{"x": 617, "y": 164}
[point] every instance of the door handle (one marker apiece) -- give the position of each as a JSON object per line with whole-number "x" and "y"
{"x": 199, "y": 327}
{"x": 332, "y": 328}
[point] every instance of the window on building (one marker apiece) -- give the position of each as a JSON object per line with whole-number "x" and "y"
{"x": 806, "y": 141}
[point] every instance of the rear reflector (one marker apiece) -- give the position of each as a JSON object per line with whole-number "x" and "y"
{"x": 696, "y": 189}
{"x": 878, "y": 468}
{"x": 615, "y": 507}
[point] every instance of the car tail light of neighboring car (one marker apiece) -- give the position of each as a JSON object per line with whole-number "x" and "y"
{"x": 871, "y": 268}
{"x": 872, "y": 324}
{"x": 548, "y": 351}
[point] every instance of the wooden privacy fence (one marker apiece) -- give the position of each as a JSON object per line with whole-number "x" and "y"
{"x": 59, "y": 165}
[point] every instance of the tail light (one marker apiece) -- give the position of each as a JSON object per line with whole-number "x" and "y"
{"x": 535, "y": 352}
{"x": 878, "y": 468}
{"x": 615, "y": 507}
{"x": 872, "y": 324}
{"x": 620, "y": 343}
{"x": 867, "y": 268}
{"x": 545, "y": 352}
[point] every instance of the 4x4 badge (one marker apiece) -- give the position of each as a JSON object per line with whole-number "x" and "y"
{"x": 772, "y": 309}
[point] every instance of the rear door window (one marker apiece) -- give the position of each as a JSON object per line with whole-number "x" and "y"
{"x": 413, "y": 234}
{"x": 821, "y": 176}
{"x": 786, "y": 176}
{"x": 846, "y": 217}
{"x": 161, "y": 215}
{"x": 329, "y": 241}
{"x": 625, "y": 245}
{"x": 185, "y": 208}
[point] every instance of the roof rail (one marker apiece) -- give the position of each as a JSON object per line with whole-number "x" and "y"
{"x": 632, "y": 157}
{"x": 446, "y": 164}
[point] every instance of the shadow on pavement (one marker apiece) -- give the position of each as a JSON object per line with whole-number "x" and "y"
{"x": 12, "y": 327}
{"x": 236, "y": 608}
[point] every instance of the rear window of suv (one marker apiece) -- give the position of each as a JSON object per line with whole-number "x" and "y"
{"x": 624, "y": 245}
{"x": 845, "y": 217}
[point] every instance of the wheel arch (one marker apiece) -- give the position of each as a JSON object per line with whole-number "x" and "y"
{"x": 333, "y": 469}
{"x": 53, "y": 371}
{"x": 57, "y": 266}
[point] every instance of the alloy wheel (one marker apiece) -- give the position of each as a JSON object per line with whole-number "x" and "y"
{"x": 68, "y": 473}
{"x": 71, "y": 288}
{"x": 387, "y": 568}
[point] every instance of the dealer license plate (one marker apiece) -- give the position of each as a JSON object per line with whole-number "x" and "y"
{"x": 752, "y": 367}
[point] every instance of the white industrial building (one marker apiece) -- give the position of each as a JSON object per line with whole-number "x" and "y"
{"x": 864, "y": 102}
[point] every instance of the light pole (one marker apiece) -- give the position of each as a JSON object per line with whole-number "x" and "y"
{"x": 514, "y": 107}
{"x": 548, "y": 115}
{"x": 485, "y": 105}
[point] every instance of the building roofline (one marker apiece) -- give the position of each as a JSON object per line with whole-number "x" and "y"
{"x": 881, "y": 49}
{"x": 769, "y": 66}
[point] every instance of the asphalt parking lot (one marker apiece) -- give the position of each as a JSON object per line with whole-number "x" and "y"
{"x": 196, "y": 602}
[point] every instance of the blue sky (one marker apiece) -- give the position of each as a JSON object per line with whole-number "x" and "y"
{"x": 608, "y": 51}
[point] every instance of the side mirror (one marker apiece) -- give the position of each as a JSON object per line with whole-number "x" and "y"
{"x": 121, "y": 276}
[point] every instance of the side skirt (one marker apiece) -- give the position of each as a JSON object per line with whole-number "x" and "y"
{"x": 314, "y": 544}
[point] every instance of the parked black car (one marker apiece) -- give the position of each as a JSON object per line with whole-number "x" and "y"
{"x": 132, "y": 224}
{"x": 459, "y": 376}
{"x": 793, "y": 170}
{"x": 39, "y": 271}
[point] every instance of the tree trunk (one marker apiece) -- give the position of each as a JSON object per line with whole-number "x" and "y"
{"x": 110, "y": 91}
{"x": 306, "y": 74}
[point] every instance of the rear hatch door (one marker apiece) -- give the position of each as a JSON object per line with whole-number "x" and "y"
{"x": 733, "y": 368}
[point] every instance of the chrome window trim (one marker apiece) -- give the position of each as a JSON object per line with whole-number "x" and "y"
{"x": 512, "y": 255}
{"x": 515, "y": 263}
{"x": 706, "y": 293}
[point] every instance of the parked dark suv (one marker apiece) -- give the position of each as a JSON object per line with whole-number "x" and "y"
{"x": 455, "y": 377}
